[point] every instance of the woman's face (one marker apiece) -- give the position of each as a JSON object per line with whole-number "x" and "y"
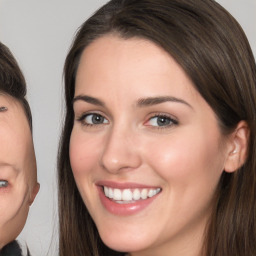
{"x": 146, "y": 150}
{"x": 18, "y": 185}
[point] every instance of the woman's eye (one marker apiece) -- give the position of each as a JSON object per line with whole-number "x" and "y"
{"x": 161, "y": 121}
{"x": 3, "y": 183}
{"x": 93, "y": 119}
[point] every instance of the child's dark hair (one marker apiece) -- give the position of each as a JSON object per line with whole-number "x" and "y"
{"x": 12, "y": 81}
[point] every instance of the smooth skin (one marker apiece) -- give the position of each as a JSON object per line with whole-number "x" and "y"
{"x": 145, "y": 123}
{"x": 17, "y": 169}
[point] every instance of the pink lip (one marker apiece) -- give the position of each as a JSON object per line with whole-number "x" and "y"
{"x": 123, "y": 209}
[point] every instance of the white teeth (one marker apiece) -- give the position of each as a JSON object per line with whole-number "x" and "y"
{"x": 151, "y": 193}
{"x": 117, "y": 194}
{"x": 136, "y": 194}
{"x": 110, "y": 193}
{"x": 106, "y": 191}
{"x": 129, "y": 195}
{"x": 144, "y": 193}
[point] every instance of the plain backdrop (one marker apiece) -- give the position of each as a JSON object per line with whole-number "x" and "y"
{"x": 39, "y": 33}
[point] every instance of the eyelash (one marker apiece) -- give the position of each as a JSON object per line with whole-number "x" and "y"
{"x": 171, "y": 120}
{"x": 163, "y": 116}
{"x": 82, "y": 118}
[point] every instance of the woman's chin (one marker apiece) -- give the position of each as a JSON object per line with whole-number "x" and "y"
{"x": 125, "y": 242}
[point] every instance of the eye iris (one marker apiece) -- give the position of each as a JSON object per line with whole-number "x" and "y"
{"x": 97, "y": 119}
{"x": 3, "y": 183}
{"x": 162, "y": 120}
{"x": 2, "y": 109}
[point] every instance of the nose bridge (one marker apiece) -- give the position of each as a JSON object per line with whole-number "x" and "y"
{"x": 119, "y": 151}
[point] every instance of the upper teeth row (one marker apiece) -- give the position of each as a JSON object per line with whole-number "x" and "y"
{"x": 128, "y": 194}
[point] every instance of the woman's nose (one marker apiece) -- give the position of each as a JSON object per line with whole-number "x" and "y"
{"x": 120, "y": 152}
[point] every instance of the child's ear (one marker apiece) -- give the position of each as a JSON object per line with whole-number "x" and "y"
{"x": 238, "y": 144}
{"x": 34, "y": 192}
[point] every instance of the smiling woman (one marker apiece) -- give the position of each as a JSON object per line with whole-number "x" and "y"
{"x": 18, "y": 181}
{"x": 157, "y": 155}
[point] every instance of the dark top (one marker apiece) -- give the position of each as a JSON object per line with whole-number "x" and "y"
{"x": 11, "y": 249}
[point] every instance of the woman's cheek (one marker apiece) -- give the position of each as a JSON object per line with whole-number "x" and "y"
{"x": 169, "y": 156}
{"x": 83, "y": 153}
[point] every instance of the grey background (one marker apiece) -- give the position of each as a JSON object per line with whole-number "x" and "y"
{"x": 39, "y": 33}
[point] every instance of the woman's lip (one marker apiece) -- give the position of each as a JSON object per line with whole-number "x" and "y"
{"x": 123, "y": 185}
{"x": 124, "y": 209}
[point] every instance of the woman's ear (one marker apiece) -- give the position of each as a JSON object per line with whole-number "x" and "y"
{"x": 237, "y": 150}
{"x": 34, "y": 192}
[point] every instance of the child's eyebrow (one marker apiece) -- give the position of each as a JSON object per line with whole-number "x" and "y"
{"x": 7, "y": 165}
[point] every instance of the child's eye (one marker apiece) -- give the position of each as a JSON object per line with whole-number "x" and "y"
{"x": 3, "y": 183}
{"x": 3, "y": 109}
{"x": 161, "y": 121}
{"x": 92, "y": 119}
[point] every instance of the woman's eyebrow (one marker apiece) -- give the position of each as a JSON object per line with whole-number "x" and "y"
{"x": 145, "y": 102}
{"x": 89, "y": 99}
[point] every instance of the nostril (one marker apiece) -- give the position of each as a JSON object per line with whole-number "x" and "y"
{"x": 119, "y": 151}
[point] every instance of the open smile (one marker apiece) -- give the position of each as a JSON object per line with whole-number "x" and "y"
{"x": 126, "y": 199}
{"x": 126, "y": 196}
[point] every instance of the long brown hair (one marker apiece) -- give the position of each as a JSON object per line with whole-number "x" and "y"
{"x": 213, "y": 50}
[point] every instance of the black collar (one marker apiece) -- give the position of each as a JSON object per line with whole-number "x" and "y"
{"x": 11, "y": 249}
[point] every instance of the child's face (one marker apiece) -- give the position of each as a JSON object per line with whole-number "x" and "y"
{"x": 18, "y": 181}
